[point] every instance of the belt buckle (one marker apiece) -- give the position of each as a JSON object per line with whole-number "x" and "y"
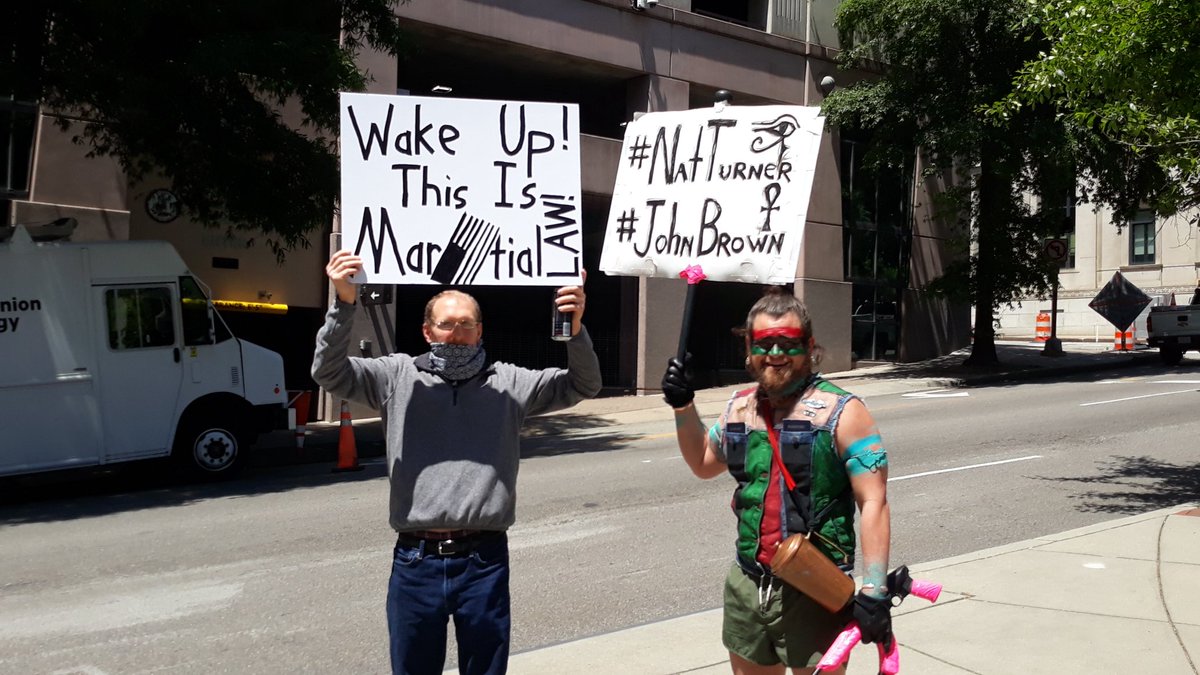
{"x": 447, "y": 547}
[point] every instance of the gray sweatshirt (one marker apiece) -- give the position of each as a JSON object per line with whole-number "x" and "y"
{"x": 452, "y": 449}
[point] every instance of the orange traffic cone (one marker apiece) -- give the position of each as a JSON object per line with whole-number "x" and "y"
{"x": 347, "y": 452}
{"x": 300, "y": 403}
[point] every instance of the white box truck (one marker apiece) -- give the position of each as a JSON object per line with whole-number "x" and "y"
{"x": 112, "y": 352}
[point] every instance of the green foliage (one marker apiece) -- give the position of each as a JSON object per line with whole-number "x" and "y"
{"x": 941, "y": 64}
{"x": 194, "y": 91}
{"x": 1123, "y": 76}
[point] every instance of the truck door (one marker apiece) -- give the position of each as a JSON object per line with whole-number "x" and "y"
{"x": 140, "y": 368}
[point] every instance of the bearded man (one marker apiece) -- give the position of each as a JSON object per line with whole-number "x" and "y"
{"x": 804, "y": 452}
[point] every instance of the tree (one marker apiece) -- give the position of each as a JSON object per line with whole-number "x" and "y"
{"x": 1124, "y": 75}
{"x": 946, "y": 62}
{"x": 194, "y": 91}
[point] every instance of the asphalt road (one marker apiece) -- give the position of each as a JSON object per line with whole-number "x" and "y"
{"x": 284, "y": 570}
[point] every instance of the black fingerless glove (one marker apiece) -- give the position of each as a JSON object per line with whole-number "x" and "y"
{"x": 874, "y": 617}
{"x": 676, "y": 385}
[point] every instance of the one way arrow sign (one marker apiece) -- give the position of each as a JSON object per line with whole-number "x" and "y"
{"x": 375, "y": 294}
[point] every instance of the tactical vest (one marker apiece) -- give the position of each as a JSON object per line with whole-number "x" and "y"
{"x": 822, "y": 503}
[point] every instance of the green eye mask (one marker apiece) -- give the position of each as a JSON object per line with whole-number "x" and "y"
{"x": 777, "y": 349}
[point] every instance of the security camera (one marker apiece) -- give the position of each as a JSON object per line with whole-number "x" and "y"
{"x": 642, "y": 5}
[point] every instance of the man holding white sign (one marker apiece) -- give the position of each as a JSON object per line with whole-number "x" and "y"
{"x": 455, "y": 192}
{"x": 453, "y": 446}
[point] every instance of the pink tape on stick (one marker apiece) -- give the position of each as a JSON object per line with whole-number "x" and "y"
{"x": 693, "y": 274}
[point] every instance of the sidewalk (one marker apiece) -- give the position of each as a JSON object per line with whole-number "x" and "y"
{"x": 1119, "y": 597}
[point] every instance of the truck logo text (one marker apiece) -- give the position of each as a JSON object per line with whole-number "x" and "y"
{"x": 8, "y": 324}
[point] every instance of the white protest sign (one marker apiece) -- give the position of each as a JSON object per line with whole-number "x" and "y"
{"x": 723, "y": 188}
{"x": 461, "y": 191}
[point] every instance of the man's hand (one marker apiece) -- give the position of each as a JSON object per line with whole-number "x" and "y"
{"x": 343, "y": 265}
{"x": 573, "y": 299}
{"x": 676, "y": 385}
{"x": 874, "y": 617}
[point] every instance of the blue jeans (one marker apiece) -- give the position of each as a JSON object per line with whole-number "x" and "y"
{"x": 426, "y": 589}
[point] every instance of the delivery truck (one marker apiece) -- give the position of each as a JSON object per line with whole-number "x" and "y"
{"x": 112, "y": 352}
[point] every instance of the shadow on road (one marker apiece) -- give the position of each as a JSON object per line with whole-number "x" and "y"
{"x": 277, "y": 467}
{"x": 1133, "y": 485}
{"x": 134, "y": 487}
{"x": 570, "y": 433}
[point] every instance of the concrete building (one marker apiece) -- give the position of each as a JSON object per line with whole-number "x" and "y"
{"x": 869, "y": 243}
{"x": 1159, "y": 255}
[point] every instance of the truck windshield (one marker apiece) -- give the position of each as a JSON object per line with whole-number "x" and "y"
{"x": 201, "y": 323}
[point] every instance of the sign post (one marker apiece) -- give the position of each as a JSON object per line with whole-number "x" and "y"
{"x": 1056, "y": 251}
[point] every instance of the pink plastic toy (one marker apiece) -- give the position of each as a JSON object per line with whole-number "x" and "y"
{"x": 900, "y": 585}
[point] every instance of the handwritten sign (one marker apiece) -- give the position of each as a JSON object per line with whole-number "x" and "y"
{"x": 725, "y": 188}
{"x": 461, "y": 191}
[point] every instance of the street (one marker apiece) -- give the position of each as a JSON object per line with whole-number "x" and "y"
{"x": 285, "y": 569}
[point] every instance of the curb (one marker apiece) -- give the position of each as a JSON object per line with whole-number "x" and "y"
{"x": 1038, "y": 373}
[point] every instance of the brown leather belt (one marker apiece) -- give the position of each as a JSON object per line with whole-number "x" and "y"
{"x": 447, "y": 543}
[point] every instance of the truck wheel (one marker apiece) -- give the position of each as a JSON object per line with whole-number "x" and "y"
{"x": 1170, "y": 356}
{"x": 208, "y": 449}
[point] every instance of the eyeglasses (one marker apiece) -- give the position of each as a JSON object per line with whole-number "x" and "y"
{"x": 774, "y": 346}
{"x": 465, "y": 324}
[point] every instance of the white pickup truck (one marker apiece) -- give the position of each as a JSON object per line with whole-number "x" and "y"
{"x": 1174, "y": 329}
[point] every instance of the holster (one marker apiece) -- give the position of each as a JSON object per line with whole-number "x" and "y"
{"x": 799, "y": 563}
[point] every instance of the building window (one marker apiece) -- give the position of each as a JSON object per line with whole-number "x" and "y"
{"x": 1141, "y": 238}
{"x": 875, "y": 245}
{"x": 17, "y": 122}
{"x": 1068, "y": 230}
{"x": 752, "y": 13}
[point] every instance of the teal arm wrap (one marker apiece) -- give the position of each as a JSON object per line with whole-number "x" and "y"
{"x": 866, "y": 454}
{"x": 714, "y": 433}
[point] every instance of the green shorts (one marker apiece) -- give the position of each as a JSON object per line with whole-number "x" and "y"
{"x": 790, "y": 628}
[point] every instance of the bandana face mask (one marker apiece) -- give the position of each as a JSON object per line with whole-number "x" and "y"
{"x": 456, "y": 362}
{"x": 778, "y": 342}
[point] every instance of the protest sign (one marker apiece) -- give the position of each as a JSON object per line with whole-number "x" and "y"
{"x": 461, "y": 191}
{"x": 723, "y": 188}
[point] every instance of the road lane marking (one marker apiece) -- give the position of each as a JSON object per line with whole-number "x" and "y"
{"x": 1175, "y": 382}
{"x": 1134, "y": 398}
{"x": 963, "y": 468}
{"x": 81, "y": 614}
{"x": 936, "y": 393}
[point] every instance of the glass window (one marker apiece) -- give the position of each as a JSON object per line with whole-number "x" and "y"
{"x": 1068, "y": 230}
{"x": 139, "y": 318}
{"x": 1141, "y": 238}
{"x": 196, "y": 312}
{"x": 18, "y": 121}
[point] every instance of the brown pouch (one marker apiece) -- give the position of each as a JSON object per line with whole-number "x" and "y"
{"x": 798, "y": 562}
